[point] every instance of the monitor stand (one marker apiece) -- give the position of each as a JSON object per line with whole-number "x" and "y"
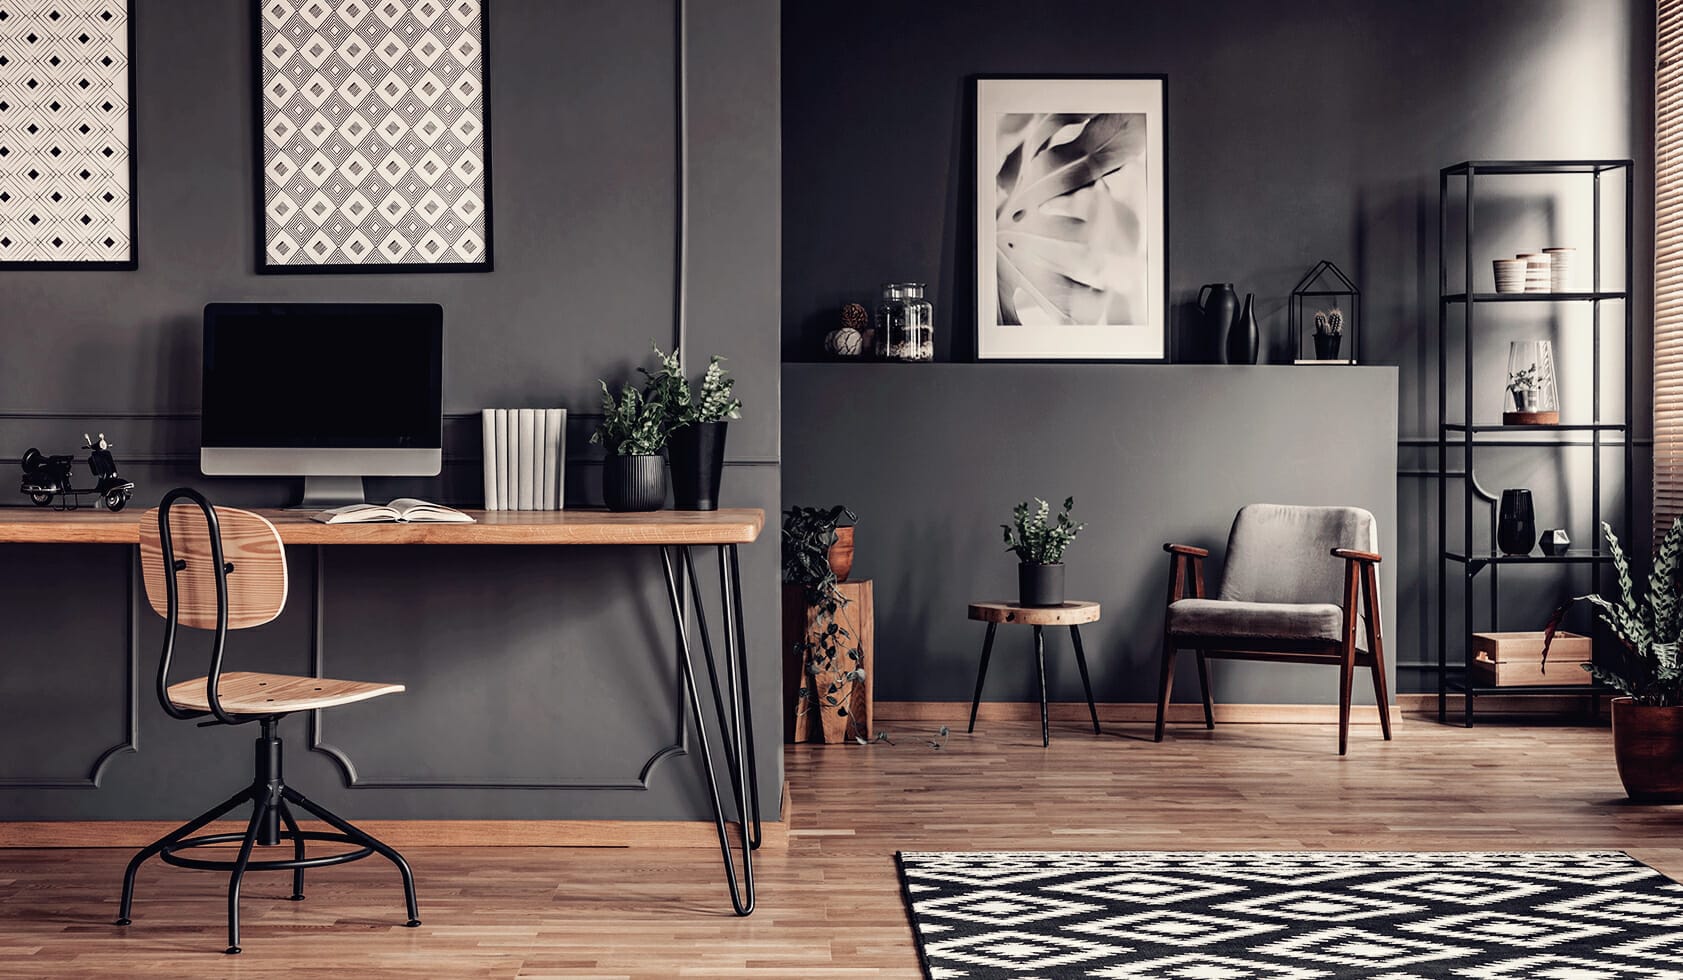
{"x": 327, "y": 492}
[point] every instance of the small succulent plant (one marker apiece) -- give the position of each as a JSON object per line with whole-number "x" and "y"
{"x": 1329, "y": 322}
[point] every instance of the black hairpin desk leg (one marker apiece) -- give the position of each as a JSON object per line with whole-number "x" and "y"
{"x": 733, "y": 722}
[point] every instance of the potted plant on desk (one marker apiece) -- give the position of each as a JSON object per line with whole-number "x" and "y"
{"x": 1648, "y": 718}
{"x": 697, "y": 422}
{"x": 1039, "y": 543}
{"x": 633, "y": 431}
{"x": 817, "y": 557}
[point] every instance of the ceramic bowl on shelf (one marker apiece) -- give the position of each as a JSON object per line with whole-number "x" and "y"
{"x": 1537, "y": 276}
{"x": 1510, "y": 275}
{"x": 1560, "y": 268}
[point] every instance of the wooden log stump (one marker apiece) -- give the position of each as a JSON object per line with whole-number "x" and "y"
{"x": 811, "y": 718}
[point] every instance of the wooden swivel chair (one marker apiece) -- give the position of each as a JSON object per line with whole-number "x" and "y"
{"x": 216, "y": 568}
{"x": 1289, "y": 594}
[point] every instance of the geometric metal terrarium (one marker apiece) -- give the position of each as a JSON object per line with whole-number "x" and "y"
{"x": 1324, "y": 314}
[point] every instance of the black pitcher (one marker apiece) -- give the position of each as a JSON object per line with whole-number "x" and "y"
{"x": 1516, "y": 523}
{"x": 1218, "y": 304}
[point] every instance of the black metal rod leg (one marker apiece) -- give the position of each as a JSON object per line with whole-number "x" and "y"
{"x": 745, "y": 734}
{"x": 183, "y": 831}
{"x": 687, "y": 572}
{"x": 981, "y": 674}
{"x": 346, "y": 827}
{"x": 258, "y": 812}
{"x": 741, "y": 897}
{"x": 1040, "y": 662}
{"x": 1086, "y": 685}
{"x": 297, "y": 849}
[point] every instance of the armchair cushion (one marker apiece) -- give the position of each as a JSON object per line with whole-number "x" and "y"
{"x": 1282, "y": 553}
{"x": 1223, "y": 619}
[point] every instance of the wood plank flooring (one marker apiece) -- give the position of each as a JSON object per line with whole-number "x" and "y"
{"x": 830, "y": 903}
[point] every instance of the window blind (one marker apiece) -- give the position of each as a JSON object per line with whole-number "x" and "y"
{"x": 1668, "y": 266}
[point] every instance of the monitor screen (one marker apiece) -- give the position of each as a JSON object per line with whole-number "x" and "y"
{"x": 323, "y": 376}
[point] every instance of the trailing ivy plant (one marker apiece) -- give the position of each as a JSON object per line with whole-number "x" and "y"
{"x": 1648, "y": 623}
{"x": 632, "y": 425}
{"x": 827, "y": 646}
{"x": 1036, "y": 537}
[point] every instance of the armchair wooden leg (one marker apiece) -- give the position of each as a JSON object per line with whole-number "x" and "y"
{"x": 1376, "y": 648}
{"x": 1204, "y": 685}
{"x": 1346, "y": 675}
{"x": 1165, "y": 685}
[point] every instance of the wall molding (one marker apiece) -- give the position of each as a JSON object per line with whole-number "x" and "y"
{"x": 956, "y": 714}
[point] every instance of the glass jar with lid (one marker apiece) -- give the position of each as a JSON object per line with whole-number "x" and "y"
{"x": 905, "y": 323}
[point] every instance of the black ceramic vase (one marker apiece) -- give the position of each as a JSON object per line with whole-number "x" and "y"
{"x": 1218, "y": 306}
{"x": 1242, "y": 336}
{"x": 633, "y": 483}
{"x": 1516, "y": 523}
{"x": 697, "y": 454}
{"x": 1040, "y": 585}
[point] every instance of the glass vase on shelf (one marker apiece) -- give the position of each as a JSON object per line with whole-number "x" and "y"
{"x": 905, "y": 323}
{"x": 1532, "y": 397}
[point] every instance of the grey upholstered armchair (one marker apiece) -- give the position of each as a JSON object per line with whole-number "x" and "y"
{"x": 1299, "y": 587}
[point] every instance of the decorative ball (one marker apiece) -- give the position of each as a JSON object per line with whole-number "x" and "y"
{"x": 844, "y": 342}
{"x": 854, "y": 315}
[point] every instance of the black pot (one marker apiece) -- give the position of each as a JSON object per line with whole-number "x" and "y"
{"x": 1040, "y": 585}
{"x": 634, "y": 483}
{"x": 697, "y": 454}
{"x": 1326, "y": 345}
{"x": 1516, "y": 523}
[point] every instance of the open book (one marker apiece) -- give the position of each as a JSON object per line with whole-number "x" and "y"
{"x": 406, "y": 510}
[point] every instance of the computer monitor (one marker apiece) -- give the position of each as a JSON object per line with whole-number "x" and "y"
{"x": 331, "y": 392}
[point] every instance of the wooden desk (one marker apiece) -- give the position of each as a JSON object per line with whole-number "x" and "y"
{"x": 674, "y": 532}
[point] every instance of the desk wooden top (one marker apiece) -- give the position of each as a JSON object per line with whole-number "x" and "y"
{"x": 41, "y": 525}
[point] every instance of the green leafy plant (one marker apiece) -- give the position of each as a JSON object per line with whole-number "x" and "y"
{"x": 1525, "y": 379}
{"x": 827, "y": 647}
{"x": 1036, "y": 537}
{"x": 714, "y": 401}
{"x": 632, "y": 424}
{"x": 1648, "y": 623}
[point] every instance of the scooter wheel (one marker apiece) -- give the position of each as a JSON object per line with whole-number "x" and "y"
{"x": 41, "y": 499}
{"x": 114, "y": 502}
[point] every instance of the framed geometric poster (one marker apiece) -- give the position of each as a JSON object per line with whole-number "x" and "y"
{"x": 67, "y": 172}
{"x": 1071, "y": 231}
{"x": 372, "y": 146}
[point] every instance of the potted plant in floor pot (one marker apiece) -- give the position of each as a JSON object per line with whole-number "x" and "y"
{"x": 699, "y": 417}
{"x": 633, "y": 431}
{"x": 1648, "y": 717}
{"x": 1039, "y": 542}
{"x": 817, "y": 557}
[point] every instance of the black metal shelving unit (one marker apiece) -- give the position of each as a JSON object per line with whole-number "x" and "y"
{"x": 1466, "y": 433}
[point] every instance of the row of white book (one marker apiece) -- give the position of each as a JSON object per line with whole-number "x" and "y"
{"x": 525, "y": 458}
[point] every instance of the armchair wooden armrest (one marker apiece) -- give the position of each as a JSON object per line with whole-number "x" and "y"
{"x": 1351, "y": 554}
{"x": 1180, "y": 556}
{"x": 1187, "y": 549}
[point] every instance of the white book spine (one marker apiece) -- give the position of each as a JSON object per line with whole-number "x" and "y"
{"x": 554, "y": 456}
{"x": 505, "y": 460}
{"x": 528, "y": 465}
{"x": 488, "y": 436}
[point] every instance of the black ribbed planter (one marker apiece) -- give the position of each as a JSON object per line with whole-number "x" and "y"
{"x": 634, "y": 483}
{"x": 1040, "y": 585}
{"x": 697, "y": 454}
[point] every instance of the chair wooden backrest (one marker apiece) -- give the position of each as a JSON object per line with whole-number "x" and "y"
{"x": 257, "y": 581}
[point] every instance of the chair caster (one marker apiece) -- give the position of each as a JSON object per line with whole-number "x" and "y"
{"x": 412, "y": 923}
{"x": 122, "y": 922}
{"x": 232, "y": 951}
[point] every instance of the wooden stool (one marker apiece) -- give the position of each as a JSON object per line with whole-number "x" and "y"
{"x": 1071, "y": 614}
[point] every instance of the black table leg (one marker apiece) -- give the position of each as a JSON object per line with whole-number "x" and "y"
{"x": 746, "y": 733}
{"x": 1086, "y": 685}
{"x": 981, "y": 675}
{"x": 1040, "y": 660}
{"x": 741, "y": 889}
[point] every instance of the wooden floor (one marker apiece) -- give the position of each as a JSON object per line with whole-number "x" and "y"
{"x": 830, "y": 905}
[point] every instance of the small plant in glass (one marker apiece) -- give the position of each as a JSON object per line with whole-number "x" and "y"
{"x": 1532, "y": 398}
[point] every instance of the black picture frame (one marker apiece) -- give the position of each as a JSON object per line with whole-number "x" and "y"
{"x": 981, "y": 307}
{"x": 133, "y": 261}
{"x": 260, "y": 217}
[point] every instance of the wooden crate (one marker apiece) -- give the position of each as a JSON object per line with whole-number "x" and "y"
{"x": 800, "y": 722}
{"x": 1515, "y": 660}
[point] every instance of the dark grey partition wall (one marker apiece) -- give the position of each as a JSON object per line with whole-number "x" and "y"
{"x": 546, "y": 666}
{"x": 932, "y": 458}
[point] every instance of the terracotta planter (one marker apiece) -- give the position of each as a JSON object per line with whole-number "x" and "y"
{"x": 1648, "y": 746}
{"x": 841, "y": 554}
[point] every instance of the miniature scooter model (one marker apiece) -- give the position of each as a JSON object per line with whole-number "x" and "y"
{"x": 46, "y": 478}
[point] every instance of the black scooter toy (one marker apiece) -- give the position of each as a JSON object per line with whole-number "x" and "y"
{"x": 46, "y": 478}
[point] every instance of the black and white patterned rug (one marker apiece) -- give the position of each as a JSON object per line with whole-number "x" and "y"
{"x": 1161, "y": 915}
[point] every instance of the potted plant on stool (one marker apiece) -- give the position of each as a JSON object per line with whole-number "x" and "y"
{"x": 1039, "y": 543}
{"x": 817, "y": 557}
{"x": 1648, "y": 719}
{"x": 633, "y": 431}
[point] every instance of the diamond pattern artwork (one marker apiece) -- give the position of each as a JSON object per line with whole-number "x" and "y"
{"x": 374, "y": 147}
{"x": 66, "y": 168}
{"x": 1293, "y": 916}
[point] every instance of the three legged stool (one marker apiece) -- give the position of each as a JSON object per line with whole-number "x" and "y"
{"x": 1071, "y": 614}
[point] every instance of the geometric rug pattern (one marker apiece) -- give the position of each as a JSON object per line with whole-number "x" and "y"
{"x": 373, "y": 134}
{"x": 1165, "y": 915}
{"x": 65, "y": 162}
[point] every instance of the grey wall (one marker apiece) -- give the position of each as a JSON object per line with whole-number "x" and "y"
{"x": 545, "y": 665}
{"x": 1297, "y": 130}
{"x": 932, "y": 458}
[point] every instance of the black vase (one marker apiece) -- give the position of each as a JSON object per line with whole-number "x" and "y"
{"x": 1516, "y": 523}
{"x": 634, "y": 483}
{"x": 697, "y": 455}
{"x": 1242, "y": 336}
{"x": 1040, "y": 585}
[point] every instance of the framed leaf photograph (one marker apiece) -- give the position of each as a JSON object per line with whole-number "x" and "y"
{"x": 1071, "y": 224}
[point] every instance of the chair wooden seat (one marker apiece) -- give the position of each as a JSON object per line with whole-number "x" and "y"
{"x": 245, "y": 693}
